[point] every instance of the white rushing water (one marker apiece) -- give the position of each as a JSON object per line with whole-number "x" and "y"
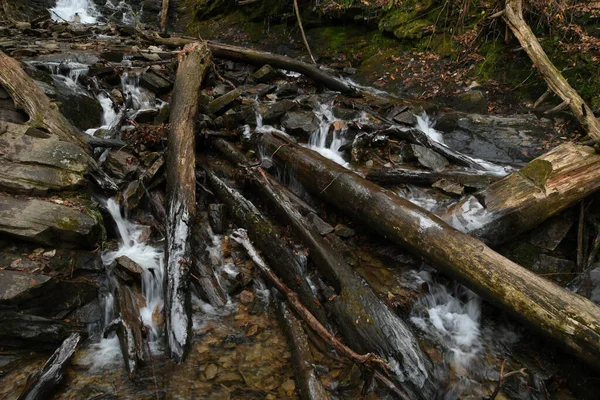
{"x": 150, "y": 258}
{"x": 318, "y": 140}
{"x": 83, "y": 11}
{"x": 136, "y": 98}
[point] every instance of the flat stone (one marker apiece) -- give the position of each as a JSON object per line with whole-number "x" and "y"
{"x": 429, "y": 158}
{"x": 265, "y": 74}
{"x": 211, "y": 371}
{"x": 472, "y": 101}
{"x": 36, "y": 332}
{"x": 300, "y": 123}
{"x": 344, "y": 231}
{"x": 247, "y": 297}
{"x": 287, "y": 89}
{"x": 449, "y": 187}
{"x": 321, "y": 226}
{"x": 132, "y": 195}
{"x": 128, "y": 270}
{"x": 221, "y": 104}
{"x": 272, "y": 112}
{"x": 47, "y": 223}
{"x": 16, "y": 287}
{"x": 36, "y": 180}
{"x": 121, "y": 164}
{"x": 155, "y": 83}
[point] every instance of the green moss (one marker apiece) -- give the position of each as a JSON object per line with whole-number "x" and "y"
{"x": 524, "y": 254}
{"x": 68, "y": 224}
{"x": 538, "y": 171}
{"x": 407, "y": 21}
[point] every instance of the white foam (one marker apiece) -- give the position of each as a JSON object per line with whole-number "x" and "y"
{"x": 65, "y": 10}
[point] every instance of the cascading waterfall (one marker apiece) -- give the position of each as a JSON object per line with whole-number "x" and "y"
{"x": 318, "y": 140}
{"x": 135, "y": 98}
{"x": 70, "y": 10}
{"x": 151, "y": 259}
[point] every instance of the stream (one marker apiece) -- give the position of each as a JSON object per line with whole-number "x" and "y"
{"x": 239, "y": 349}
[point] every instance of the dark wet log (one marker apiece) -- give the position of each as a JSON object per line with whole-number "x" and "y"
{"x": 513, "y": 16}
{"x": 128, "y": 327}
{"x": 309, "y": 385}
{"x": 40, "y": 384}
{"x": 181, "y": 196}
{"x": 267, "y": 237}
{"x": 524, "y": 199}
{"x": 255, "y": 57}
{"x": 391, "y": 176}
{"x": 570, "y": 320}
{"x": 365, "y": 322}
{"x": 44, "y": 114}
{"x": 202, "y": 268}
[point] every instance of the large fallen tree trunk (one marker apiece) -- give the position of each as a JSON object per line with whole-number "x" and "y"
{"x": 44, "y": 114}
{"x": 571, "y": 320}
{"x": 255, "y": 57}
{"x": 40, "y": 384}
{"x": 513, "y": 15}
{"x": 524, "y": 199}
{"x": 181, "y": 196}
{"x": 267, "y": 237}
{"x": 365, "y": 322}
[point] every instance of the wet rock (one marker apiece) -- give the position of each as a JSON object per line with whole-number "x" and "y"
{"x": 62, "y": 298}
{"x": 48, "y": 223}
{"x": 211, "y": 371}
{"x": 429, "y": 158}
{"x": 349, "y": 70}
{"x": 8, "y": 111}
{"x": 155, "y": 83}
{"x": 344, "y": 231}
{"x": 300, "y": 123}
{"x": 34, "y": 162}
{"x": 507, "y": 140}
{"x": 287, "y": 90}
{"x": 132, "y": 195}
{"x": 128, "y": 270}
{"x": 265, "y": 74}
{"x": 273, "y": 112}
{"x": 222, "y": 103}
{"x": 247, "y": 297}
{"x": 77, "y": 105}
{"x": 321, "y": 226}
{"x": 551, "y": 232}
{"x": 345, "y": 114}
{"x": 557, "y": 268}
{"x": 121, "y": 164}
{"x": 145, "y": 116}
{"x": 151, "y": 172}
{"x": 472, "y": 101}
{"x": 163, "y": 115}
{"x": 261, "y": 90}
{"x": 449, "y": 187}
{"x": 405, "y": 118}
{"x": 35, "y": 332}
{"x": 17, "y": 287}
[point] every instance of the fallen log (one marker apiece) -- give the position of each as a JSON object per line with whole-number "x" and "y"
{"x": 268, "y": 238}
{"x": 129, "y": 329}
{"x": 203, "y": 272}
{"x": 365, "y": 322}
{"x": 522, "y": 200}
{"x": 181, "y": 196}
{"x": 256, "y": 57}
{"x": 570, "y": 320}
{"x": 40, "y": 384}
{"x": 392, "y": 176}
{"x": 513, "y": 16}
{"x": 45, "y": 115}
{"x": 309, "y": 385}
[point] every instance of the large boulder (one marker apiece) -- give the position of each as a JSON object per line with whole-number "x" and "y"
{"x": 77, "y": 105}
{"x": 48, "y": 223}
{"x": 300, "y": 123}
{"x": 34, "y": 162}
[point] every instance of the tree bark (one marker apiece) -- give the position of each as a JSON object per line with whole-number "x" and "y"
{"x": 309, "y": 385}
{"x": 268, "y": 238}
{"x": 570, "y": 320}
{"x": 181, "y": 196}
{"x": 40, "y": 384}
{"x": 522, "y": 200}
{"x": 513, "y": 15}
{"x": 44, "y": 114}
{"x": 255, "y": 57}
{"x": 365, "y": 322}
{"x": 163, "y": 15}
{"x": 391, "y": 176}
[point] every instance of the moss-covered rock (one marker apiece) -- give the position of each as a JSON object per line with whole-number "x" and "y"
{"x": 407, "y": 21}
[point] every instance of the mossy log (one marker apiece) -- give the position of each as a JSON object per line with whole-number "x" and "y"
{"x": 181, "y": 196}
{"x": 365, "y": 322}
{"x": 44, "y": 114}
{"x": 255, "y": 57}
{"x": 524, "y": 199}
{"x": 267, "y": 237}
{"x": 513, "y": 15}
{"x": 40, "y": 384}
{"x": 569, "y": 319}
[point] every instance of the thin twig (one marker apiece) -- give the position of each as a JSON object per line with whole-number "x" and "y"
{"x": 333, "y": 180}
{"x": 503, "y": 377}
{"x": 302, "y": 31}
